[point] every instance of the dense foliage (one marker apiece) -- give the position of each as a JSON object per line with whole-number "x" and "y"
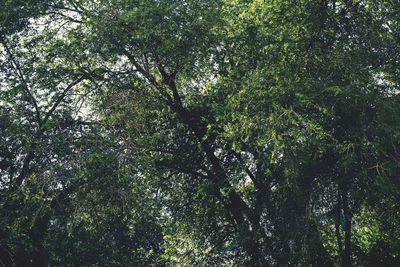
{"x": 200, "y": 133}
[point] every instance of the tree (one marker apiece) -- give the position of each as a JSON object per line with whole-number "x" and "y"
{"x": 254, "y": 133}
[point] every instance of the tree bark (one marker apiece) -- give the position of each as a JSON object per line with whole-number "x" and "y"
{"x": 346, "y": 260}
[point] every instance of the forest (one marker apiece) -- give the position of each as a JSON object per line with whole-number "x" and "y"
{"x": 200, "y": 133}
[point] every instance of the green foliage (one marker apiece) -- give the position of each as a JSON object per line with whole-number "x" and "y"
{"x": 199, "y": 133}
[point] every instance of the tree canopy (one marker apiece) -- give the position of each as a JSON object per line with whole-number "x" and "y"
{"x": 200, "y": 133}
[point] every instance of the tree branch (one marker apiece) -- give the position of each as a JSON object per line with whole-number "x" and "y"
{"x": 21, "y": 76}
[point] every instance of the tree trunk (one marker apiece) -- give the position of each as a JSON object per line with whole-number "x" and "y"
{"x": 346, "y": 260}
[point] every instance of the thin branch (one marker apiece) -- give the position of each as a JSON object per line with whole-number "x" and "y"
{"x": 75, "y": 9}
{"x": 70, "y": 19}
{"x": 60, "y": 98}
{"x": 181, "y": 169}
{"x": 247, "y": 170}
{"x": 22, "y": 79}
{"x": 147, "y": 75}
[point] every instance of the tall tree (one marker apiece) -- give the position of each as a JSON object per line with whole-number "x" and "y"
{"x": 258, "y": 133}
